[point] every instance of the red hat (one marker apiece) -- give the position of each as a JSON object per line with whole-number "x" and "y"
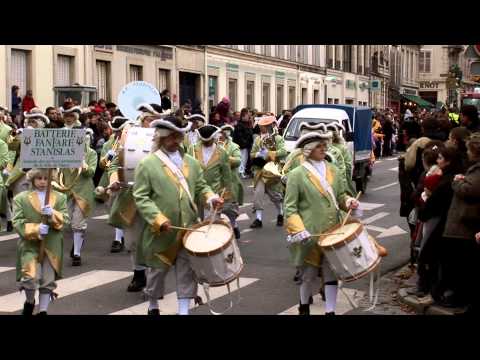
{"x": 431, "y": 182}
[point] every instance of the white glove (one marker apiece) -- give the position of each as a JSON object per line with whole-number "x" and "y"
{"x": 5, "y": 172}
{"x": 44, "y": 229}
{"x": 284, "y": 179}
{"x": 111, "y": 154}
{"x": 299, "y": 237}
{"x": 210, "y": 200}
{"x": 47, "y": 210}
{"x": 424, "y": 196}
{"x": 263, "y": 153}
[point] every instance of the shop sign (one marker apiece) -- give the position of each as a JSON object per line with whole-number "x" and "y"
{"x": 429, "y": 84}
{"x": 409, "y": 92}
{"x": 162, "y": 52}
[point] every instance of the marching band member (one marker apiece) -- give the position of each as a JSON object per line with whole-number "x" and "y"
{"x": 191, "y": 137}
{"x": 78, "y": 185}
{"x": 167, "y": 182}
{"x": 234, "y": 158}
{"x": 16, "y": 180}
{"x": 29, "y": 221}
{"x": 71, "y": 117}
{"x": 215, "y": 164}
{"x": 269, "y": 146}
{"x": 5, "y": 129}
{"x": 339, "y": 143}
{"x": 4, "y": 204}
{"x": 123, "y": 212}
{"x": 314, "y": 197}
{"x": 109, "y": 152}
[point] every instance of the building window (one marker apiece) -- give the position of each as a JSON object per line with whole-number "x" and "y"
{"x": 266, "y": 50}
{"x": 291, "y": 97}
{"x": 232, "y": 93}
{"x": 347, "y": 58}
{"x": 302, "y": 53}
{"x": 266, "y": 97}
{"x": 335, "y": 101}
{"x": 292, "y": 52}
{"x": 64, "y": 70}
{"x": 349, "y": 101}
{"x": 337, "y": 57}
{"x": 330, "y": 56}
{"x": 163, "y": 79}
{"x": 103, "y": 79}
{"x": 280, "y": 51}
{"x": 249, "y": 48}
{"x": 136, "y": 73}
{"x": 251, "y": 94}
{"x": 316, "y": 55}
{"x": 19, "y": 70}
{"x": 212, "y": 91}
{"x": 330, "y": 100}
{"x": 366, "y": 59}
{"x": 359, "y": 59}
{"x": 316, "y": 96}
{"x": 304, "y": 96}
{"x": 279, "y": 98}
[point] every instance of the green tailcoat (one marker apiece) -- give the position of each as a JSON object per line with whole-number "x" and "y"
{"x": 4, "y": 131}
{"x": 217, "y": 172}
{"x": 26, "y": 221}
{"x": 103, "y": 160}
{"x": 276, "y": 156}
{"x": 308, "y": 207}
{"x": 159, "y": 198}
{"x": 234, "y": 158}
{"x": 348, "y": 166}
{"x": 4, "y": 160}
{"x": 83, "y": 190}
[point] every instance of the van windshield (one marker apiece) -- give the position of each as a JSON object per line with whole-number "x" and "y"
{"x": 292, "y": 132}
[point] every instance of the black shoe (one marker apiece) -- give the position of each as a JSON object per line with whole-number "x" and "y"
{"x": 304, "y": 309}
{"x": 42, "y": 313}
{"x": 117, "y": 246}
{"x": 198, "y": 300}
{"x": 139, "y": 281}
{"x": 71, "y": 252}
{"x": 9, "y": 226}
{"x": 256, "y": 224}
{"x": 280, "y": 220}
{"x": 417, "y": 292}
{"x": 330, "y": 313}
{"x": 28, "y": 309}
{"x": 236, "y": 231}
{"x": 76, "y": 260}
{"x": 310, "y": 300}
{"x": 154, "y": 312}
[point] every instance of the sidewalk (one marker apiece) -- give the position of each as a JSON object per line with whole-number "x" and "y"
{"x": 422, "y": 306}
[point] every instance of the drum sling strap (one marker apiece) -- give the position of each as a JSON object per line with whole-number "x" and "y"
{"x": 178, "y": 174}
{"x": 373, "y": 299}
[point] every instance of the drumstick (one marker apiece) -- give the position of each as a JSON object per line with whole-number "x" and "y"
{"x": 350, "y": 211}
{"x": 214, "y": 214}
{"x": 188, "y": 229}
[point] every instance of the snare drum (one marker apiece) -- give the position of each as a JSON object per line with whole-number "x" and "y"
{"x": 138, "y": 144}
{"x": 351, "y": 252}
{"x": 214, "y": 256}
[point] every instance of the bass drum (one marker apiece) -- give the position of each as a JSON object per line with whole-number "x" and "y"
{"x": 138, "y": 144}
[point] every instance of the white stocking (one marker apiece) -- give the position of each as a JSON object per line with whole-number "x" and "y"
{"x": 305, "y": 292}
{"x": 44, "y": 301}
{"x": 77, "y": 243}
{"x": 118, "y": 234}
{"x": 183, "y": 306}
{"x": 330, "y": 297}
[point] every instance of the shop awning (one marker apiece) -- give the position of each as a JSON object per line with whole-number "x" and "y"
{"x": 418, "y": 100}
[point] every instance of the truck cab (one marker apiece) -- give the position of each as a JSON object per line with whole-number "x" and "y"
{"x": 81, "y": 94}
{"x": 357, "y": 122}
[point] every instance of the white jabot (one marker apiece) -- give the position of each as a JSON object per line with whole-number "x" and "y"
{"x": 320, "y": 167}
{"x": 192, "y": 137}
{"x": 176, "y": 158}
{"x": 41, "y": 196}
{"x": 207, "y": 153}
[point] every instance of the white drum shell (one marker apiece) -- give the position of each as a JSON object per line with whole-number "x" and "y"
{"x": 220, "y": 268}
{"x": 354, "y": 259}
{"x": 138, "y": 144}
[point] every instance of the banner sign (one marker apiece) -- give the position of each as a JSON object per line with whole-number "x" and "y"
{"x": 52, "y": 148}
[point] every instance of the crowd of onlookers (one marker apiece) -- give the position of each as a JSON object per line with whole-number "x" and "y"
{"x": 439, "y": 175}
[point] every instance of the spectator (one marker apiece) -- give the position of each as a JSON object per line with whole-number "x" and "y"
{"x": 463, "y": 261}
{"x": 388, "y": 133}
{"x": 235, "y": 118}
{"x": 28, "y": 103}
{"x": 437, "y": 207}
{"x": 53, "y": 116}
{"x": 215, "y": 119}
{"x": 16, "y": 102}
{"x": 243, "y": 137}
{"x": 469, "y": 118}
{"x": 111, "y": 108}
{"x": 166, "y": 102}
{"x": 197, "y": 107}
{"x": 458, "y": 138}
{"x": 223, "y": 109}
{"x": 284, "y": 122}
{"x": 92, "y": 105}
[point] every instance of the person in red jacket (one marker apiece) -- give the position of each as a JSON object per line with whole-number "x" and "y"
{"x": 28, "y": 103}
